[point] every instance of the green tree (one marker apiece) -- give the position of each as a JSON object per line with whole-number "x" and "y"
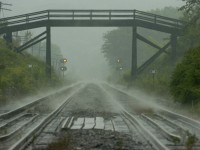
{"x": 171, "y": 12}
{"x": 192, "y": 10}
{"x": 185, "y": 83}
{"x": 118, "y": 45}
{"x": 118, "y": 42}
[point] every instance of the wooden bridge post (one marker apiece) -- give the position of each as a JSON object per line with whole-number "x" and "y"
{"x": 8, "y": 38}
{"x": 48, "y": 52}
{"x": 174, "y": 47}
{"x": 134, "y": 52}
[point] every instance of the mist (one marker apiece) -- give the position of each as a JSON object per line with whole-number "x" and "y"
{"x": 82, "y": 46}
{"x": 89, "y": 70}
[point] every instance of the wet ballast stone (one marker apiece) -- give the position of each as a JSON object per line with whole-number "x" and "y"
{"x": 101, "y": 140}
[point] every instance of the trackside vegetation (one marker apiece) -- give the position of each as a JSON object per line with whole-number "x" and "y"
{"x": 185, "y": 83}
{"x": 21, "y": 74}
{"x": 179, "y": 79}
{"x": 117, "y": 50}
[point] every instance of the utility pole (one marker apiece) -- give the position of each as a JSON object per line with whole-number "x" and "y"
{"x": 2, "y": 7}
{"x": 7, "y": 36}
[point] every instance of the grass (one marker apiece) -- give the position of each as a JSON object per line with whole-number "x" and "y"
{"x": 61, "y": 144}
{"x": 191, "y": 140}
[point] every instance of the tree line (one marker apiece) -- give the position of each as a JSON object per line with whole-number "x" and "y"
{"x": 180, "y": 78}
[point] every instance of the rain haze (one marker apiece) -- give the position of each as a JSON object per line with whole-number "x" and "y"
{"x": 99, "y": 74}
{"x": 82, "y": 46}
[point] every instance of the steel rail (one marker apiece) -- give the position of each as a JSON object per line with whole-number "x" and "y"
{"x": 12, "y": 121}
{"x": 189, "y": 122}
{"x": 18, "y": 130}
{"x": 185, "y": 120}
{"x": 23, "y": 108}
{"x": 170, "y": 123}
{"x": 165, "y": 133}
{"x": 19, "y": 110}
{"x": 148, "y": 135}
{"x": 164, "y": 111}
{"x": 5, "y": 139}
{"x": 29, "y": 137}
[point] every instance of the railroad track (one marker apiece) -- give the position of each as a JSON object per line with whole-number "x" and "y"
{"x": 172, "y": 135}
{"x": 155, "y": 129}
{"x": 74, "y": 122}
{"x": 165, "y": 129}
{"x": 184, "y": 122}
{"x": 137, "y": 130}
{"x": 16, "y": 124}
{"x": 144, "y": 132}
{"x": 13, "y": 113}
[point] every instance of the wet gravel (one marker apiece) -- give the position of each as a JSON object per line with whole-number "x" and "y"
{"x": 88, "y": 113}
{"x": 92, "y": 101}
{"x": 100, "y": 140}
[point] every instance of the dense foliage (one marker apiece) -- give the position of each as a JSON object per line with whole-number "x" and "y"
{"x": 185, "y": 84}
{"x": 118, "y": 45}
{"x": 182, "y": 81}
{"x": 192, "y": 10}
{"x": 168, "y": 12}
{"x": 118, "y": 42}
{"x": 23, "y": 74}
{"x": 191, "y": 13}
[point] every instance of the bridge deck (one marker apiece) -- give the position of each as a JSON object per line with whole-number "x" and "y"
{"x": 90, "y": 18}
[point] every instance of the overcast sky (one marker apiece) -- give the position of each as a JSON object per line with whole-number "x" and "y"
{"x": 24, "y": 6}
{"x": 82, "y": 45}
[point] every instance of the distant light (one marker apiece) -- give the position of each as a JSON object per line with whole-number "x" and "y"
{"x": 153, "y": 71}
{"x": 30, "y": 65}
{"x": 64, "y": 60}
{"x": 63, "y": 68}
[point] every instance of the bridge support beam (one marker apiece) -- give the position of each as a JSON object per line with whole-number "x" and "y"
{"x": 32, "y": 42}
{"x": 134, "y": 52}
{"x": 48, "y": 53}
{"x": 8, "y": 37}
{"x": 173, "y": 46}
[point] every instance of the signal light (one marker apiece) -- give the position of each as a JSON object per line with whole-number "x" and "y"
{"x": 64, "y": 60}
{"x": 63, "y": 68}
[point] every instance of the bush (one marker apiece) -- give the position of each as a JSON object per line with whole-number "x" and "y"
{"x": 185, "y": 82}
{"x": 18, "y": 78}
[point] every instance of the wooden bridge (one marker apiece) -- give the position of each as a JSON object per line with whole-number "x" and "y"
{"x": 94, "y": 18}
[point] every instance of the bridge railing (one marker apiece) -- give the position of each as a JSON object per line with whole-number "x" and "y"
{"x": 25, "y": 18}
{"x": 157, "y": 19}
{"x": 91, "y": 15}
{"x": 115, "y": 15}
